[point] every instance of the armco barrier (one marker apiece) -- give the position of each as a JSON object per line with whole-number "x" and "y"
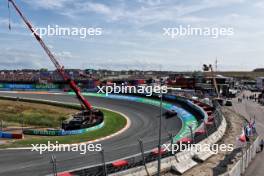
{"x": 48, "y": 132}
{"x": 10, "y": 135}
{"x": 32, "y": 87}
{"x": 62, "y": 132}
{"x": 42, "y": 132}
{"x": 186, "y": 117}
{"x": 7, "y": 135}
{"x": 135, "y": 166}
{"x": 167, "y": 162}
{"x": 247, "y": 156}
{"x": 17, "y": 136}
{"x": 181, "y": 162}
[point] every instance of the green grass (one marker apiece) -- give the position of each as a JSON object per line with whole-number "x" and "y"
{"x": 32, "y": 114}
{"x": 242, "y": 74}
{"x": 113, "y": 123}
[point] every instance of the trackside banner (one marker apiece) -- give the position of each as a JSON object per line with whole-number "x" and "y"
{"x": 29, "y": 86}
{"x": 61, "y": 132}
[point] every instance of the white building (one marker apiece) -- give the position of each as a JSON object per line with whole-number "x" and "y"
{"x": 260, "y": 83}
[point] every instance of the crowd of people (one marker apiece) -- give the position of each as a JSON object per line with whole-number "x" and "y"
{"x": 253, "y": 97}
{"x": 13, "y": 76}
{"x": 35, "y": 76}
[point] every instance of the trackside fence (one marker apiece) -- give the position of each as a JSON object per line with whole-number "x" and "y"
{"x": 148, "y": 157}
{"x": 247, "y": 154}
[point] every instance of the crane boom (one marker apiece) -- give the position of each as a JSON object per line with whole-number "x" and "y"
{"x": 214, "y": 81}
{"x": 59, "y": 68}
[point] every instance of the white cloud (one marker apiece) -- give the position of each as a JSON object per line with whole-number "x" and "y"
{"x": 133, "y": 32}
{"x": 97, "y": 8}
{"x": 48, "y": 4}
{"x": 150, "y": 2}
{"x": 18, "y": 58}
{"x": 64, "y": 55}
{"x": 5, "y": 22}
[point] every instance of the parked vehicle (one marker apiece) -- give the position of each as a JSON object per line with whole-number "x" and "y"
{"x": 228, "y": 103}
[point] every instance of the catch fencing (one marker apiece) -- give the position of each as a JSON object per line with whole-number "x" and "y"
{"x": 146, "y": 160}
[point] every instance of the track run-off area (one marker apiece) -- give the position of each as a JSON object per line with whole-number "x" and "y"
{"x": 144, "y": 123}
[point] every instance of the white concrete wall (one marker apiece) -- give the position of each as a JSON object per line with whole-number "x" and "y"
{"x": 184, "y": 160}
{"x": 241, "y": 165}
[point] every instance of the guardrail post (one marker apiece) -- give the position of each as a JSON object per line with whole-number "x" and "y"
{"x": 142, "y": 154}
{"x": 54, "y": 165}
{"x": 191, "y": 130}
{"x": 171, "y": 142}
{"x": 205, "y": 128}
{"x": 103, "y": 161}
{"x": 22, "y": 123}
{"x": 1, "y": 125}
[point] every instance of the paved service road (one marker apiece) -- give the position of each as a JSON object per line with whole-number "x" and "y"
{"x": 144, "y": 125}
{"x": 249, "y": 108}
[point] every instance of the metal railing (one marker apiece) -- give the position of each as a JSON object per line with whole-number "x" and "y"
{"x": 143, "y": 157}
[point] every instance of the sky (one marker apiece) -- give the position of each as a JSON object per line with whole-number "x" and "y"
{"x": 132, "y": 35}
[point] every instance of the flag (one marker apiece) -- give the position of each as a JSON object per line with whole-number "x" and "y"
{"x": 253, "y": 127}
{"x": 242, "y": 137}
{"x": 248, "y": 130}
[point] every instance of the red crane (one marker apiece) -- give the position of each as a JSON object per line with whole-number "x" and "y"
{"x": 85, "y": 104}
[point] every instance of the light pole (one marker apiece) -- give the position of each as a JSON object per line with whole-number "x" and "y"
{"x": 191, "y": 130}
{"x": 22, "y": 122}
{"x": 142, "y": 155}
{"x": 103, "y": 160}
{"x": 205, "y": 127}
{"x": 54, "y": 165}
{"x": 160, "y": 121}
{"x": 21, "y": 116}
{"x": 1, "y": 125}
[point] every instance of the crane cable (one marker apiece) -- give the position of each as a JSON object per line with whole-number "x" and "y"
{"x": 9, "y": 16}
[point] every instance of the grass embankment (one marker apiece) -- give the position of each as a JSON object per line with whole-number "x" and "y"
{"x": 242, "y": 74}
{"x": 40, "y": 115}
{"x": 113, "y": 123}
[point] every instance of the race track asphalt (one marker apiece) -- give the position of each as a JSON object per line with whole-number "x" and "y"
{"x": 144, "y": 125}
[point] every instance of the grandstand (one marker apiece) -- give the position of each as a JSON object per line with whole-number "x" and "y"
{"x": 41, "y": 76}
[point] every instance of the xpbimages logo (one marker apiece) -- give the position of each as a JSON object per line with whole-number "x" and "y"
{"x": 182, "y": 147}
{"x": 56, "y": 30}
{"x": 50, "y": 147}
{"x": 183, "y": 31}
{"x": 124, "y": 89}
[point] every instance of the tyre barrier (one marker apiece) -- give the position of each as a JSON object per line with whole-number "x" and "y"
{"x": 62, "y": 132}
{"x": 10, "y": 135}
